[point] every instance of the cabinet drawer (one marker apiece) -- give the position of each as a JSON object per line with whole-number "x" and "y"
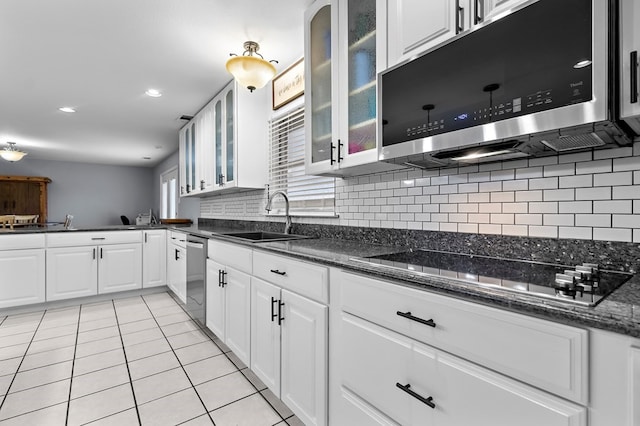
{"x": 72, "y": 239}
{"x": 232, "y": 255}
{"x": 303, "y": 278}
{"x": 542, "y": 353}
{"x": 376, "y": 363}
{"x": 17, "y": 242}
{"x": 178, "y": 238}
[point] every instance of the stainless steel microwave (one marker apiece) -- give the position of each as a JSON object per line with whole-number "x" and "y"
{"x": 538, "y": 81}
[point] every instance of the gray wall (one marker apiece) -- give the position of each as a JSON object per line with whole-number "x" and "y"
{"x": 94, "y": 194}
{"x": 188, "y": 208}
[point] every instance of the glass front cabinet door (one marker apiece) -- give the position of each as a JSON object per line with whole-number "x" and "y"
{"x": 188, "y": 158}
{"x": 344, "y": 49}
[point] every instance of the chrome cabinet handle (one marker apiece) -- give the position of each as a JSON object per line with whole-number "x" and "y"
{"x": 633, "y": 80}
{"x": 408, "y": 315}
{"x": 459, "y": 18}
{"x": 276, "y": 271}
{"x": 407, "y": 389}
{"x": 98, "y": 239}
{"x": 479, "y": 12}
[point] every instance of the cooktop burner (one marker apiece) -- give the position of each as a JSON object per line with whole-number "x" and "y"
{"x": 584, "y": 284}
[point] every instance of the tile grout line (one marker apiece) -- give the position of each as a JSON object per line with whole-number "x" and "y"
{"x": 4, "y": 398}
{"x": 204, "y": 330}
{"x": 126, "y": 362}
{"x": 177, "y": 358}
{"x": 73, "y": 364}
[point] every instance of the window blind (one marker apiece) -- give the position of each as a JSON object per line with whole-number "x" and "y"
{"x": 308, "y": 195}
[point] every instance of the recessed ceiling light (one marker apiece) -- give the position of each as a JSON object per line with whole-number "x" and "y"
{"x": 67, "y": 109}
{"x": 153, "y": 93}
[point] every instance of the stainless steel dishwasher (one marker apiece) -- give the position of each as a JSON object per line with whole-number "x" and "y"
{"x": 196, "y": 272}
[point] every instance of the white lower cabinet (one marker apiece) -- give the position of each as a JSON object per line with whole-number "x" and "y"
{"x": 416, "y": 384}
{"x": 119, "y": 267}
{"x": 154, "y": 257}
{"x": 177, "y": 265}
{"x": 404, "y": 356}
{"x": 71, "y": 272}
{"x": 289, "y": 348}
{"x": 22, "y": 280}
{"x": 228, "y": 307}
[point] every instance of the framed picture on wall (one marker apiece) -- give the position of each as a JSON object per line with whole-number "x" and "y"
{"x": 288, "y": 85}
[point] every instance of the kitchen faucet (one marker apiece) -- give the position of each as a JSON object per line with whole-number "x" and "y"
{"x": 287, "y": 227}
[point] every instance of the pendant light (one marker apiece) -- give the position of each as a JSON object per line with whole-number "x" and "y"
{"x": 251, "y": 70}
{"x": 10, "y": 153}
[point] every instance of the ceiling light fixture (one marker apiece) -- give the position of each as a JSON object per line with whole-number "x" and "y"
{"x": 251, "y": 70}
{"x": 10, "y": 153}
{"x": 154, "y": 93}
{"x": 67, "y": 109}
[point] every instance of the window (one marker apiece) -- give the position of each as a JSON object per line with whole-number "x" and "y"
{"x": 169, "y": 194}
{"x": 308, "y": 195}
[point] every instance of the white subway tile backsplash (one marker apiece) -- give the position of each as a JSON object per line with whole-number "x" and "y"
{"x": 503, "y": 175}
{"x": 515, "y": 208}
{"x": 575, "y": 207}
{"x": 544, "y": 183}
{"x": 626, "y": 192}
{"x": 566, "y": 196}
{"x": 613, "y": 179}
{"x": 484, "y": 228}
{"x": 589, "y": 167}
{"x": 480, "y": 177}
{"x": 529, "y": 173}
{"x": 618, "y": 206}
{"x": 502, "y": 197}
{"x": 544, "y": 207}
{"x": 523, "y": 196}
{"x": 558, "y": 219}
{"x": 490, "y": 186}
{"x": 490, "y": 208}
{"x": 574, "y": 232}
{"x": 566, "y": 169}
{"x": 558, "y": 194}
{"x": 575, "y": 157}
{"x": 613, "y": 153}
{"x": 626, "y": 221}
{"x": 507, "y": 219}
{"x": 529, "y": 219}
{"x": 515, "y": 185}
{"x": 515, "y": 230}
{"x": 612, "y": 234}
{"x": 601, "y": 193}
{"x": 543, "y": 231}
{"x": 543, "y": 161}
{"x": 579, "y": 181}
{"x": 469, "y": 228}
{"x": 468, "y": 208}
{"x": 597, "y": 220}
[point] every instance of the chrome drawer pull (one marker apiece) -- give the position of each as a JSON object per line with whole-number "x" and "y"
{"x": 275, "y": 271}
{"x": 428, "y": 401}
{"x": 408, "y": 315}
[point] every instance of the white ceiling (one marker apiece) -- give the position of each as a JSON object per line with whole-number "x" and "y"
{"x": 100, "y": 56}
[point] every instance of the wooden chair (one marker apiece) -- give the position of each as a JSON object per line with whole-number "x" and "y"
{"x": 7, "y": 219}
{"x": 26, "y": 219}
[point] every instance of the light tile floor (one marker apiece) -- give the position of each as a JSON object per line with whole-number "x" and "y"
{"x": 139, "y": 360}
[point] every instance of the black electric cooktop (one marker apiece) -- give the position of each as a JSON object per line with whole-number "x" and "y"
{"x": 533, "y": 278}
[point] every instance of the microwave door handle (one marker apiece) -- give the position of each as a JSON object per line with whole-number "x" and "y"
{"x": 633, "y": 80}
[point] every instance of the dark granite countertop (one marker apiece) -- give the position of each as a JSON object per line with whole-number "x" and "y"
{"x": 619, "y": 312}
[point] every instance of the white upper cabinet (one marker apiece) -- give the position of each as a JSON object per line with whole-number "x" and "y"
{"x": 345, "y": 48}
{"x": 629, "y": 65}
{"x": 225, "y": 145}
{"x": 416, "y": 25}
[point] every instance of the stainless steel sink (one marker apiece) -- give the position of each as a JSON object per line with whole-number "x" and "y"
{"x": 259, "y": 236}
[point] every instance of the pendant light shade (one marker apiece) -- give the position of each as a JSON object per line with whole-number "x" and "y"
{"x": 10, "y": 153}
{"x": 251, "y": 70}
